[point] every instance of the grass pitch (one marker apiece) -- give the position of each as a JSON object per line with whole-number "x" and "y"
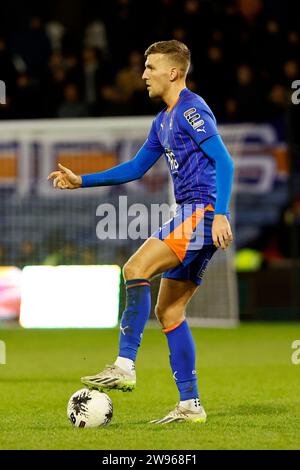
{"x": 248, "y": 384}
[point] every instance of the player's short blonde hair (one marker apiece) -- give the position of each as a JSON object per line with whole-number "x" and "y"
{"x": 177, "y": 51}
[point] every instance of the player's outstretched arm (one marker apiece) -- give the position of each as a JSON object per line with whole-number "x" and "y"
{"x": 125, "y": 172}
{"x": 65, "y": 178}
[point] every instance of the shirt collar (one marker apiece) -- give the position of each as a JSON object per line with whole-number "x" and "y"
{"x": 181, "y": 94}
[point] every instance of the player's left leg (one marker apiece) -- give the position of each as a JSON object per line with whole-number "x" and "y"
{"x": 177, "y": 287}
{"x": 173, "y": 298}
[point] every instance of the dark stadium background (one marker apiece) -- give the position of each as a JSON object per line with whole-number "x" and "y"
{"x": 245, "y": 56}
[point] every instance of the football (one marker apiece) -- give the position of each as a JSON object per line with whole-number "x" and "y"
{"x": 89, "y": 409}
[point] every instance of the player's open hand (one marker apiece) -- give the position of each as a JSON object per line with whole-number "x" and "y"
{"x": 221, "y": 232}
{"x": 65, "y": 178}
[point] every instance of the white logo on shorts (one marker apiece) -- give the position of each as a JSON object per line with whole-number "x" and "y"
{"x": 203, "y": 268}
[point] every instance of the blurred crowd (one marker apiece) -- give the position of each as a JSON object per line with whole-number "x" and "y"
{"x": 82, "y": 58}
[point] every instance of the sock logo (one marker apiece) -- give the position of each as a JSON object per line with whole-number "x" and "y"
{"x": 123, "y": 329}
{"x": 174, "y": 375}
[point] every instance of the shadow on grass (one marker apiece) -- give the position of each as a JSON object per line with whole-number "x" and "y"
{"x": 258, "y": 409}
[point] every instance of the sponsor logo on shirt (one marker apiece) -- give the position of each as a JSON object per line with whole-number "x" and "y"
{"x": 193, "y": 118}
{"x": 172, "y": 160}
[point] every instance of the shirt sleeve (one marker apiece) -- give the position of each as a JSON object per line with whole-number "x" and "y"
{"x": 125, "y": 172}
{"x": 215, "y": 149}
{"x": 198, "y": 121}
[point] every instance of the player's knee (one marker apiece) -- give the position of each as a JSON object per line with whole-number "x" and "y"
{"x": 169, "y": 316}
{"x": 132, "y": 270}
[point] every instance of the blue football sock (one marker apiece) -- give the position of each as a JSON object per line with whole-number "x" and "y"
{"x": 135, "y": 316}
{"x": 183, "y": 360}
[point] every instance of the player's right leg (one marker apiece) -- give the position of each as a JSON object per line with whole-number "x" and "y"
{"x": 152, "y": 258}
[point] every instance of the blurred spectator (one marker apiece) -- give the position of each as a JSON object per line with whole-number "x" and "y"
{"x": 129, "y": 79}
{"x": 249, "y": 105}
{"x": 56, "y": 61}
{"x": 33, "y": 46}
{"x": 53, "y": 90}
{"x": 55, "y": 31}
{"x": 95, "y": 36}
{"x": 91, "y": 76}
{"x": 26, "y": 100}
{"x": 72, "y": 68}
{"x": 72, "y": 106}
{"x": 110, "y": 102}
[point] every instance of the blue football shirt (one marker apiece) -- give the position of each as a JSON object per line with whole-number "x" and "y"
{"x": 177, "y": 132}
